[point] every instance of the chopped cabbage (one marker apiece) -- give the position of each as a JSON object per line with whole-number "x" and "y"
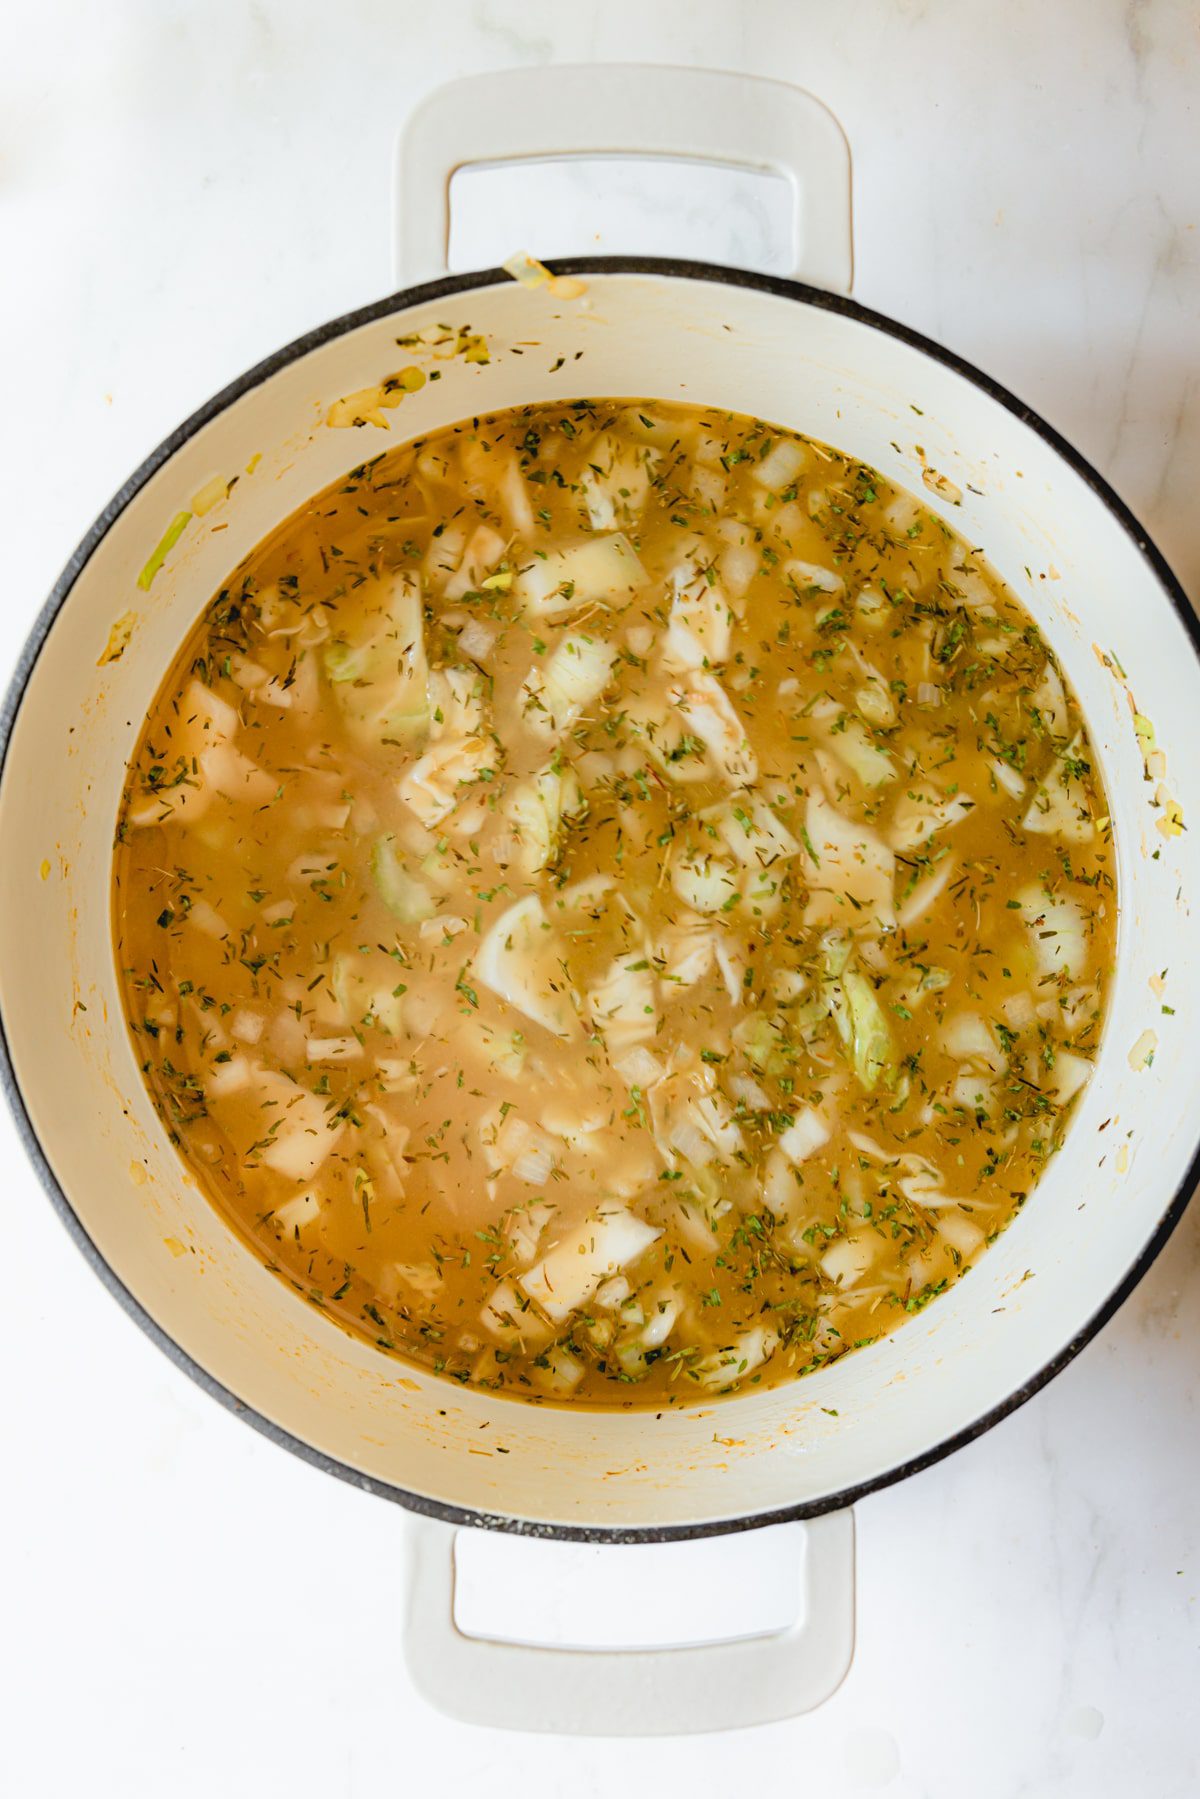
{"x": 807, "y": 1133}
{"x": 705, "y": 883}
{"x": 520, "y": 961}
{"x": 849, "y": 868}
{"x": 616, "y": 481}
{"x": 573, "y": 1269}
{"x": 921, "y": 811}
{"x": 407, "y": 898}
{"x": 752, "y": 830}
{"x": 848, "y": 1258}
{"x": 857, "y": 750}
{"x": 871, "y": 1040}
{"x": 577, "y": 673}
{"x": 624, "y": 1004}
{"x": 1059, "y": 807}
{"x": 600, "y": 569}
{"x": 1058, "y": 931}
{"x": 699, "y": 628}
{"x": 433, "y": 786}
{"x": 537, "y": 809}
{"x": 746, "y": 1353}
{"x": 707, "y": 713}
{"x": 782, "y": 464}
{"x": 380, "y": 680}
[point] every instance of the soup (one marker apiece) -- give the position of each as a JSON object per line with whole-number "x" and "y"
{"x": 615, "y": 903}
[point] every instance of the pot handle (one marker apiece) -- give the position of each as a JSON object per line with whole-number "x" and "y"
{"x": 607, "y": 109}
{"x": 638, "y": 1692}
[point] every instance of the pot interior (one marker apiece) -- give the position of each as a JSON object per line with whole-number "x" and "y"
{"x": 752, "y": 346}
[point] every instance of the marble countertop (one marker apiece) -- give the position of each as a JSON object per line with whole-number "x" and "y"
{"x": 183, "y": 187}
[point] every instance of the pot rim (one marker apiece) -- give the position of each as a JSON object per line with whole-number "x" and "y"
{"x": 669, "y": 268}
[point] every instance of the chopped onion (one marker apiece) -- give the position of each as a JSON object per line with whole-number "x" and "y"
{"x": 333, "y": 1049}
{"x": 807, "y": 1133}
{"x": 782, "y": 464}
{"x": 748, "y": 1093}
{"x": 476, "y": 639}
{"x": 294, "y": 1214}
{"x": 247, "y": 1027}
{"x": 638, "y": 1068}
{"x": 534, "y": 1164}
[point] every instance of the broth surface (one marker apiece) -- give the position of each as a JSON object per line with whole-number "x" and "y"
{"x": 615, "y": 903}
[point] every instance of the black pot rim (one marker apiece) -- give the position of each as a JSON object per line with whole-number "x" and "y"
{"x": 236, "y": 390}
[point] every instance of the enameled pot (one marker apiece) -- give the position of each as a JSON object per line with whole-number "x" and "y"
{"x": 789, "y": 352}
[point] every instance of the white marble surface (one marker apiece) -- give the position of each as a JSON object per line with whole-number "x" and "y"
{"x": 183, "y": 186}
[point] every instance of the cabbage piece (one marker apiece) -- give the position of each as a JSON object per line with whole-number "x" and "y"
{"x": 456, "y": 702}
{"x": 604, "y": 569}
{"x": 484, "y": 549}
{"x": 812, "y": 578}
{"x": 407, "y": 898}
{"x": 299, "y": 1132}
{"x": 226, "y": 771}
{"x": 1059, "y": 806}
{"x": 537, "y": 810}
{"x": 510, "y": 1318}
{"x": 662, "y": 1314}
{"x": 206, "y": 724}
{"x": 754, "y": 833}
{"x": 699, "y": 627}
{"x": 848, "y": 1258}
{"x": 379, "y": 680}
{"x": 434, "y": 784}
{"x": 706, "y": 712}
{"x": 295, "y": 1215}
{"x": 553, "y": 697}
{"x": 1070, "y": 1074}
{"x": 520, "y": 961}
{"x": 920, "y": 811}
{"x": 364, "y": 1000}
{"x": 1058, "y": 931}
{"x": 1050, "y": 699}
{"x": 925, "y": 893}
{"x": 807, "y": 1133}
{"x": 685, "y": 955}
{"x": 741, "y": 1357}
{"x": 624, "y": 1003}
{"x": 960, "y": 1233}
{"x": 574, "y": 1268}
{"x": 1006, "y": 777}
{"x": 664, "y": 734}
{"x": 558, "y": 1371}
{"x": 871, "y": 1050}
{"x": 782, "y": 465}
{"x": 849, "y": 868}
{"x": 615, "y": 481}
{"x": 857, "y": 750}
{"x": 513, "y": 492}
{"x": 693, "y": 1120}
{"x": 969, "y": 1038}
{"x": 762, "y": 1042}
{"x": 705, "y": 883}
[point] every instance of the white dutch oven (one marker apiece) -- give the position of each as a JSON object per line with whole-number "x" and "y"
{"x": 787, "y": 352}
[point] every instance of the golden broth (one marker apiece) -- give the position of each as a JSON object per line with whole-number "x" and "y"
{"x": 615, "y": 903}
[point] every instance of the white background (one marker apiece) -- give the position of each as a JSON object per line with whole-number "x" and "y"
{"x": 186, "y": 1610}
